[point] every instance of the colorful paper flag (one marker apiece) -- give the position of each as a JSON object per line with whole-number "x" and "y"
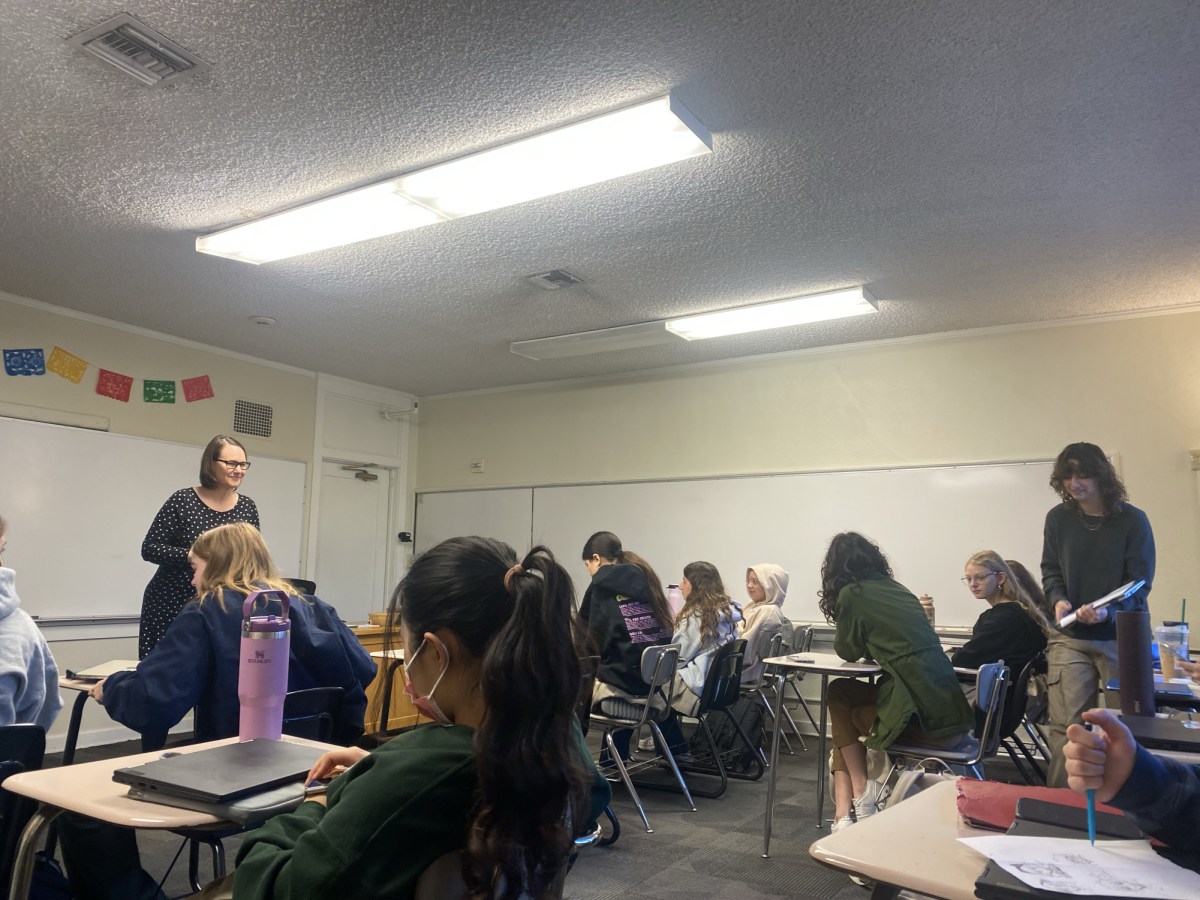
{"x": 158, "y": 391}
{"x": 198, "y": 388}
{"x": 68, "y": 365}
{"x": 24, "y": 362}
{"x": 115, "y": 385}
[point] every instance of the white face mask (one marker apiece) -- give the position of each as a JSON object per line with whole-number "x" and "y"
{"x": 426, "y": 705}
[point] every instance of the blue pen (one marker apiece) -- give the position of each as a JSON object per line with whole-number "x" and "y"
{"x": 1091, "y": 797}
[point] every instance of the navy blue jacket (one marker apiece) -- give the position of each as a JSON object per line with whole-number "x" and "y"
{"x": 1163, "y": 796}
{"x": 195, "y": 665}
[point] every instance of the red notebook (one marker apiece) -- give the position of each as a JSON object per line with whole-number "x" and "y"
{"x": 992, "y": 805}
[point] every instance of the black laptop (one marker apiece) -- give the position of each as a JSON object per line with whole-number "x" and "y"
{"x": 222, "y": 774}
{"x": 1181, "y": 735}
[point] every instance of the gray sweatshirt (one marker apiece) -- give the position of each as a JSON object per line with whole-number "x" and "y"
{"x": 28, "y": 676}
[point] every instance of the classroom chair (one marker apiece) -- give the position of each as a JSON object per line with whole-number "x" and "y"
{"x": 313, "y": 714}
{"x": 303, "y": 586}
{"x": 991, "y": 686}
{"x": 797, "y": 642}
{"x": 768, "y": 647}
{"x": 616, "y": 714}
{"x": 722, "y": 688}
{"x": 1016, "y": 716}
{"x": 22, "y": 749}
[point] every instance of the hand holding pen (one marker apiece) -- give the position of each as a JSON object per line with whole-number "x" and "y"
{"x": 1100, "y": 760}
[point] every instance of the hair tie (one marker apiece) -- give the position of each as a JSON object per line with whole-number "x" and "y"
{"x": 515, "y": 570}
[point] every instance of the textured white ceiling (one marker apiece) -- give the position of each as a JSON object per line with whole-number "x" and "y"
{"x": 972, "y": 163}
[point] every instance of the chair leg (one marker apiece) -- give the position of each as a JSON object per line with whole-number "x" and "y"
{"x": 616, "y": 828}
{"x": 1033, "y": 762}
{"x": 194, "y": 865}
{"x": 804, "y": 703}
{"x": 218, "y": 855}
{"x": 1007, "y": 745}
{"x": 759, "y": 758}
{"x": 662, "y": 742}
{"x": 619, "y": 763}
{"x": 796, "y": 731}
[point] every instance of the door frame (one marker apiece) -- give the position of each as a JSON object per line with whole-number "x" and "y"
{"x": 395, "y": 403}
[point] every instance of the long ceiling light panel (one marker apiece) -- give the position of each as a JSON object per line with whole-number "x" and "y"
{"x": 619, "y": 143}
{"x": 854, "y": 301}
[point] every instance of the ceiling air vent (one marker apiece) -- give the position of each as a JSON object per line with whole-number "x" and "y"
{"x": 138, "y": 51}
{"x": 252, "y": 418}
{"x": 554, "y": 279}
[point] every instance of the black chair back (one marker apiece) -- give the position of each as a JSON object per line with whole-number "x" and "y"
{"x": 314, "y": 714}
{"x": 22, "y": 748}
{"x": 723, "y": 685}
{"x": 304, "y": 587}
{"x": 1018, "y": 697}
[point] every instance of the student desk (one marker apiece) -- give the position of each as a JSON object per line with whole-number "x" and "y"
{"x": 824, "y": 664}
{"x": 88, "y": 789}
{"x": 911, "y": 846}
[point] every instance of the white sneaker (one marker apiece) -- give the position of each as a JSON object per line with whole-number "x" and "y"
{"x": 873, "y": 797}
{"x": 840, "y": 824}
{"x": 646, "y": 743}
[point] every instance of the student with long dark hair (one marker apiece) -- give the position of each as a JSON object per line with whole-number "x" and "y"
{"x": 1095, "y": 541}
{"x": 624, "y": 611}
{"x": 916, "y": 701}
{"x": 503, "y": 772}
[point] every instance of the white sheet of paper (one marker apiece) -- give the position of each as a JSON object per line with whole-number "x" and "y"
{"x": 1109, "y": 869}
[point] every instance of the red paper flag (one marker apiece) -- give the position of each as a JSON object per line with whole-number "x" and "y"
{"x": 199, "y": 388}
{"x": 115, "y": 385}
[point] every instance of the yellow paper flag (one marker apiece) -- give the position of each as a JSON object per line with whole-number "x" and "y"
{"x": 67, "y": 365}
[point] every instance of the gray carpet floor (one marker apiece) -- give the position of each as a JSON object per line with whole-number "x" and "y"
{"x": 714, "y": 853}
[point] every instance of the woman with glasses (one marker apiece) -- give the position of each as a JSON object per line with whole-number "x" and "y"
{"x": 185, "y": 516}
{"x": 1012, "y": 628}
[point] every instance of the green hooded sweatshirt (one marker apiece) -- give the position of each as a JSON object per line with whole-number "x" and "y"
{"x": 880, "y": 619}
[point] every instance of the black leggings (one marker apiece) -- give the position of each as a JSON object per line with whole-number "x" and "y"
{"x": 103, "y": 862}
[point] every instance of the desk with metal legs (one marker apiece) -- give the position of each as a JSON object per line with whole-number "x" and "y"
{"x": 823, "y": 664}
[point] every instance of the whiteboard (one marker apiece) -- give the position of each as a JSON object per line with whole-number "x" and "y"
{"x": 79, "y": 502}
{"x": 927, "y": 520}
{"x": 506, "y": 515}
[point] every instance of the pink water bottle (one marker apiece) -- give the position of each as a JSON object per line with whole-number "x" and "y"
{"x": 263, "y": 677}
{"x": 674, "y": 598}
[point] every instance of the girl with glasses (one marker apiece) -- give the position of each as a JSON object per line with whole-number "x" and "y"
{"x": 185, "y": 516}
{"x": 1012, "y": 628}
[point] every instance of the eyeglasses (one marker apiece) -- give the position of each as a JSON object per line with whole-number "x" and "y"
{"x": 232, "y": 464}
{"x": 969, "y": 580}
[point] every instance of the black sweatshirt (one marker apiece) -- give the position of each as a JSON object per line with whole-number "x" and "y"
{"x": 619, "y": 616}
{"x": 1085, "y": 557}
{"x": 1003, "y": 632}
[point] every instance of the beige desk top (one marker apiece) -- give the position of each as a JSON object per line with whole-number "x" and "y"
{"x": 829, "y": 663}
{"x": 397, "y": 653}
{"x": 88, "y": 788}
{"x": 73, "y": 685}
{"x": 914, "y": 845}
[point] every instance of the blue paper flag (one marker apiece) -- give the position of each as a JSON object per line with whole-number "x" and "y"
{"x": 24, "y": 362}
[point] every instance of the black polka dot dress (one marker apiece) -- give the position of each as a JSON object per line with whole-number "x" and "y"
{"x": 182, "y": 519}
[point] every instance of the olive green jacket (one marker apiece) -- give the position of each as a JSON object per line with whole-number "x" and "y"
{"x": 388, "y": 818}
{"x": 880, "y": 619}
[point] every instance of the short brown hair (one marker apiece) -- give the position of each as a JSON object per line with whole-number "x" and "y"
{"x": 1088, "y": 461}
{"x": 208, "y": 462}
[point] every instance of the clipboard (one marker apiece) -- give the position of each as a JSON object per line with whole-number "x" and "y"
{"x": 1120, "y": 593}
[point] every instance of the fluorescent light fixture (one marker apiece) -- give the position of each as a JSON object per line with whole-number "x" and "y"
{"x": 855, "y": 301}
{"x": 619, "y": 143}
{"x": 777, "y": 314}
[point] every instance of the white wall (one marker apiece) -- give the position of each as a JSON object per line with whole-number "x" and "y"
{"x": 1130, "y": 385}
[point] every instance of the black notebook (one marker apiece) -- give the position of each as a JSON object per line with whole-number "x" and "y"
{"x": 222, "y": 774}
{"x": 1165, "y": 734}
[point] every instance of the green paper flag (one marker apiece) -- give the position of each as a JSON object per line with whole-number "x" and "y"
{"x": 158, "y": 391}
